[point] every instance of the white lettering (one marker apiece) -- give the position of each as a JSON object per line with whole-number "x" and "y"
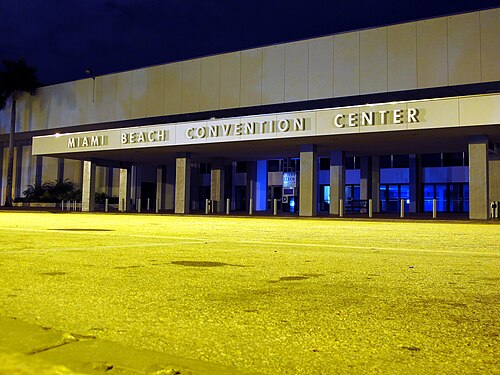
{"x": 71, "y": 143}
{"x": 124, "y": 138}
{"x": 85, "y": 142}
{"x": 201, "y": 132}
{"x": 237, "y": 129}
{"x": 283, "y": 125}
{"x": 366, "y": 118}
{"x": 398, "y": 116}
{"x": 161, "y": 135}
{"x": 226, "y": 129}
{"x": 132, "y": 137}
{"x": 298, "y": 124}
{"x": 383, "y": 117}
{"x": 189, "y": 133}
{"x": 151, "y": 137}
{"x": 249, "y": 128}
{"x": 412, "y": 115}
{"x": 213, "y": 131}
{"x": 337, "y": 122}
{"x": 141, "y": 137}
{"x": 353, "y": 118}
{"x": 94, "y": 141}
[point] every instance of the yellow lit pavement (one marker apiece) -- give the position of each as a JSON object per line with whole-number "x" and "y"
{"x": 203, "y": 295}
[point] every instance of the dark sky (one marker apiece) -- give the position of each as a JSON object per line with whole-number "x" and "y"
{"x": 62, "y": 38}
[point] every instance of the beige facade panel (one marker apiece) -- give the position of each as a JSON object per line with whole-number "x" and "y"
{"x": 273, "y": 74}
{"x": 402, "y": 57}
{"x": 251, "y": 78}
{"x": 436, "y": 114}
{"x": 139, "y": 104}
{"x": 23, "y": 109}
{"x": 49, "y": 169}
{"x": 373, "y": 61}
{"x": 432, "y": 53}
{"x": 191, "y": 84}
{"x": 210, "y": 83}
{"x": 480, "y": 110}
{"x": 73, "y": 170}
{"x": 61, "y": 104}
{"x": 321, "y": 68}
{"x": 5, "y": 118}
{"x": 94, "y": 101}
{"x": 156, "y": 90}
{"x": 346, "y": 64}
{"x": 490, "y": 44}
{"x": 173, "y": 89}
{"x": 82, "y": 89}
{"x": 109, "y": 90}
{"x": 494, "y": 166}
{"x": 27, "y": 168}
{"x": 230, "y": 80}
{"x": 40, "y": 109}
{"x": 296, "y": 71}
{"x": 464, "y": 49}
{"x": 123, "y": 95}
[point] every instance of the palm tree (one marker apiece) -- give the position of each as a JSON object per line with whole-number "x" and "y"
{"x": 16, "y": 79}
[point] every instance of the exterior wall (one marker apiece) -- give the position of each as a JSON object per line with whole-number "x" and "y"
{"x": 494, "y": 166}
{"x": 437, "y": 52}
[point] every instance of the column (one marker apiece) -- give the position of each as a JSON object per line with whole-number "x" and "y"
{"x": 478, "y": 179}
{"x": 308, "y": 181}
{"x": 217, "y": 184}
{"x": 160, "y": 187}
{"x": 182, "y": 183}
{"x": 365, "y": 181}
{"x": 375, "y": 196}
{"x": 337, "y": 180}
{"x": 109, "y": 181}
{"x": 494, "y": 174}
{"x": 170, "y": 187}
{"x": 251, "y": 185}
{"x": 88, "y": 186}
{"x": 195, "y": 187}
{"x": 260, "y": 191}
{"x": 414, "y": 179}
{"x": 18, "y": 172}
{"x": 124, "y": 189}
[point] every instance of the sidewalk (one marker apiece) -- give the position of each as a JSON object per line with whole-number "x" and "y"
{"x": 30, "y": 349}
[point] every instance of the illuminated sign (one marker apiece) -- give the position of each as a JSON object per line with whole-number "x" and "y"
{"x": 397, "y": 116}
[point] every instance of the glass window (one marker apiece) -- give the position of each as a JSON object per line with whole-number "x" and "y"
{"x": 400, "y": 161}
{"x": 273, "y": 165}
{"x": 324, "y": 164}
{"x": 241, "y": 167}
{"x": 385, "y": 161}
{"x": 351, "y": 162}
{"x": 431, "y": 160}
{"x": 205, "y": 168}
{"x": 453, "y": 159}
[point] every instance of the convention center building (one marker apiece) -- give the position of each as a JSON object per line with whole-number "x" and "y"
{"x": 402, "y": 117}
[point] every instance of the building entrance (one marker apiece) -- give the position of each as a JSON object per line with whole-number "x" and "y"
{"x": 449, "y": 197}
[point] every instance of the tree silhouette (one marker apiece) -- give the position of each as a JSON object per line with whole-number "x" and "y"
{"x": 16, "y": 78}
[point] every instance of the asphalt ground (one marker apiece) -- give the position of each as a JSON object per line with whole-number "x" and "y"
{"x": 130, "y": 293}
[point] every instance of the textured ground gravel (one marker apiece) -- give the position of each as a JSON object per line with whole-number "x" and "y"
{"x": 276, "y": 296}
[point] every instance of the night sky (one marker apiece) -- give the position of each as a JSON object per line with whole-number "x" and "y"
{"x": 62, "y": 38}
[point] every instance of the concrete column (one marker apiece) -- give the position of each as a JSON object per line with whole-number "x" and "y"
{"x": 494, "y": 172}
{"x": 365, "y": 181}
{"x": 124, "y": 189}
{"x": 182, "y": 183}
{"x": 308, "y": 202}
{"x": 217, "y": 184}
{"x": 195, "y": 187}
{"x": 109, "y": 182}
{"x": 137, "y": 185}
{"x": 251, "y": 184}
{"x": 415, "y": 188}
{"x": 39, "y": 170}
{"x": 160, "y": 187}
{"x": 88, "y": 186}
{"x": 337, "y": 180}
{"x": 18, "y": 172}
{"x": 478, "y": 179}
{"x": 170, "y": 187}
{"x": 375, "y": 196}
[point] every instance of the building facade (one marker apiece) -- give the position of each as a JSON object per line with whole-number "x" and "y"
{"x": 405, "y": 116}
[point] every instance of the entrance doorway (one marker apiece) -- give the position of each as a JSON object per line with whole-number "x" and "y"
{"x": 449, "y": 197}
